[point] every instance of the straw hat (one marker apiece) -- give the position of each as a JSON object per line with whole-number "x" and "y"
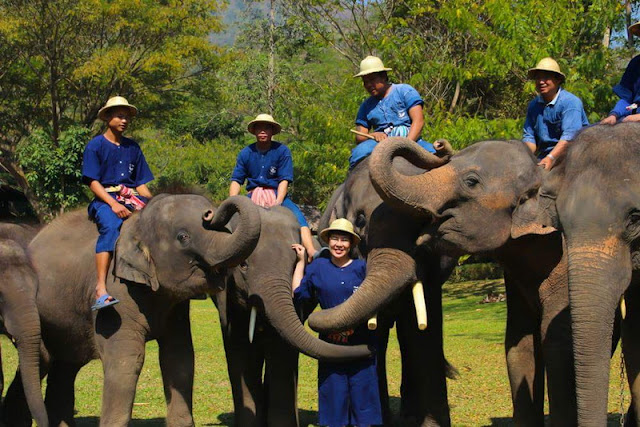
{"x": 546, "y": 64}
{"x": 116, "y": 101}
{"x": 343, "y": 225}
{"x": 264, "y": 118}
{"x": 371, "y": 64}
{"x": 635, "y": 29}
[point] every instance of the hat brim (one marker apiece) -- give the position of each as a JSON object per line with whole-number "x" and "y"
{"x": 532, "y": 71}
{"x": 102, "y": 113}
{"x": 276, "y": 126}
{"x": 375, "y": 70}
{"x": 324, "y": 234}
{"x": 635, "y": 29}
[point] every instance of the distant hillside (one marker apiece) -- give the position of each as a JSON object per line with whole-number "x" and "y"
{"x": 232, "y": 16}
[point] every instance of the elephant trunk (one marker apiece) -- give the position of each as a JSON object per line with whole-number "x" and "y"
{"x": 281, "y": 314}
{"x": 389, "y": 271}
{"x": 410, "y": 193}
{"x": 598, "y": 275}
{"x": 231, "y": 250}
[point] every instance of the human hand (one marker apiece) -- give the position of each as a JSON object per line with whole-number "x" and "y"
{"x": 300, "y": 251}
{"x": 546, "y": 163}
{"x": 120, "y": 211}
{"x": 610, "y": 120}
{"x": 379, "y": 136}
{"x": 632, "y": 118}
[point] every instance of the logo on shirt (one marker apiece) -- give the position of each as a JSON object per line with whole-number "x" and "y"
{"x": 402, "y": 113}
{"x": 273, "y": 170}
{"x": 131, "y": 168}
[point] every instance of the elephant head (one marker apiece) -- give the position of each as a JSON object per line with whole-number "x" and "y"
{"x": 594, "y": 197}
{"x": 180, "y": 243}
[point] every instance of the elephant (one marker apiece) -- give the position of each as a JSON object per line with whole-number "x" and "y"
{"x": 19, "y": 313}
{"x": 176, "y": 248}
{"x": 484, "y": 200}
{"x": 593, "y": 196}
{"x": 262, "y": 285}
{"x": 424, "y": 368}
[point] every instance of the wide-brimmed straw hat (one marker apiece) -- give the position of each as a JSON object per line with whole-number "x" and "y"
{"x": 370, "y": 65}
{"x": 264, "y": 118}
{"x": 546, "y": 64}
{"x": 635, "y": 29}
{"x": 116, "y": 101}
{"x": 342, "y": 225}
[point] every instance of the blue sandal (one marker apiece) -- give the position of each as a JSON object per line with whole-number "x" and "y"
{"x": 102, "y": 302}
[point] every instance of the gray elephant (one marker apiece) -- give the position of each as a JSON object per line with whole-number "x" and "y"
{"x": 424, "y": 368}
{"x": 174, "y": 249}
{"x": 19, "y": 314}
{"x": 594, "y": 197}
{"x": 262, "y": 284}
{"x": 483, "y": 200}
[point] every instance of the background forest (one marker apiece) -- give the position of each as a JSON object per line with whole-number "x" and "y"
{"x": 199, "y": 70}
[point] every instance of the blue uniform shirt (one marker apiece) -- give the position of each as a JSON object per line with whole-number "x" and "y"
{"x": 560, "y": 119}
{"x": 263, "y": 169}
{"x": 112, "y": 164}
{"x": 332, "y": 285}
{"x": 628, "y": 89}
{"x": 392, "y": 110}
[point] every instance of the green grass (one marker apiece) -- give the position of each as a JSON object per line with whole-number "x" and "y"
{"x": 473, "y": 344}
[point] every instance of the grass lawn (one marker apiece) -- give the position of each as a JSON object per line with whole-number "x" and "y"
{"x": 473, "y": 344}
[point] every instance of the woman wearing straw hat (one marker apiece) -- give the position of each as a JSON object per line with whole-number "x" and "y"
{"x": 267, "y": 167}
{"x": 117, "y": 173}
{"x": 348, "y": 392}
{"x": 554, "y": 116}
{"x": 391, "y": 110}
{"x": 626, "y": 110}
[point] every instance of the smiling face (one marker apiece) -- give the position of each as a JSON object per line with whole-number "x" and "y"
{"x": 263, "y": 132}
{"x": 339, "y": 245}
{"x": 547, "y": 84}
{"x": 376, "y": 84}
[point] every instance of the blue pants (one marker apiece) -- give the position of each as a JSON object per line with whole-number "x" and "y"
{"x": 287, "y": 203}
{"x": 365, "y": 148}
{"x": 348, "y": 394}
{"x": 108, "y": 224}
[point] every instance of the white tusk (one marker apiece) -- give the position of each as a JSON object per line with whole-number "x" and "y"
{"x": 252, "y": 323}
{"x": 372, "y": 324}
{"x": 421, "y": 307}
{"x": 623, "y": 307}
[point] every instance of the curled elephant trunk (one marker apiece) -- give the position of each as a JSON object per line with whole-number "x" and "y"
{"x": 279, "y": 309}
{"x": 598, "y": 275}
{"x": 388, "y": 272}
{"x": 422, "y": 194}
{"x": 231, "y": 250}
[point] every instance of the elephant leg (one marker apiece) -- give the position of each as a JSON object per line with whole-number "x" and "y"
{"x": 382, "y": 335}
{"x": 631, "y": 348}
{"x": 280, "y": 382}
{"x": 524, "y": 361}
{"x": 424, "y": 385}
{"x": 60, "y": 396}
{"x": 177, "y": 366}
{"x": 122, "y": 359}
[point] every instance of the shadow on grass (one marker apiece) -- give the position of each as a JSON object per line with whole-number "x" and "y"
{"x": 94, "y": 421}
{"x": 478, "y": 288}
{"x": 307, "y": 418}
{"x": 613, "y": 419}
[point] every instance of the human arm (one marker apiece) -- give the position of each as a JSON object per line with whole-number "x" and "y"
{"x": 285, "y": 173}
{"x": 144, "y": 191}
{"x": 298, "y": 271}
{"x": 632, "y": 118}
{"x": 528, "y": 136}
{"x": 417, "y": 122}
{"x": 627, "y": 93}
{"x": 557, "y": 153}
{"x": 238, "y": 175}
{"x": 97, "y": 189}
{"x": 363, "y": 125}
{"x": 283, "y": 186}
{"x": 234, "y": 188}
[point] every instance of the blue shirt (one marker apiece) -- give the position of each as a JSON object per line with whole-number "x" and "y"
{"x": 560, "y": 119}
{"x": 332, "y": 285}
{"x": 263, "y": 169}
{"x": 392, "y": 110}
{"x": 112, "y": 164}
{"x": 628, "y": 89}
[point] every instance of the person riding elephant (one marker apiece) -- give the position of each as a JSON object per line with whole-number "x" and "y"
{"x": 261, "y": 328}
{"x": 484, "y": 200}
{"x": 174, "y": 249}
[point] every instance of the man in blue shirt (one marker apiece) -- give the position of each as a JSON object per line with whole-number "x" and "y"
{"x": 347, "y": 392}
{"x": 117, "y": 173}
{"x": 626, "y": 110}
{"x": 267, "y": 167}
{"x": 391, "y": 110}
{"x": 554, "y": 116}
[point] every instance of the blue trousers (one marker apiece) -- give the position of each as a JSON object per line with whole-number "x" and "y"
{"x": 365, "y": 148}
{"x": 108, "y": 224}
{"x": 287, "y": 203}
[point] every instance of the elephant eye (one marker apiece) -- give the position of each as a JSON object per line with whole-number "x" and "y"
{"x": 632, "y": 225}
{"x": 471, "y": 181}
{"x": 361, "y": 220}
{"x": 184, "y": 238}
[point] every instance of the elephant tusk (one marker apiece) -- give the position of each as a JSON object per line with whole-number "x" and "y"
{"x": 623, "y": 307}
{"x": 421, "y": 307}
{"x": 372, "y": 324}
{"x": 252, "y": 323}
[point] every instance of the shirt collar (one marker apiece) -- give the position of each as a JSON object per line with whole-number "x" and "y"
{"x": 553, "y": 101}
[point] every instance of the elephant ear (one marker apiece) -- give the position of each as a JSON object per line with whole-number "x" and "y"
{"x": 132, "y": 259}
{"x": 547, "y": 211}
{"x": 525, "y": 218}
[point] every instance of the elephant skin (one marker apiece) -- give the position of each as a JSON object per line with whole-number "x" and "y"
{"x": 176, "y": 248}
{"x": 388, "y": 244}
{"x": 485, "y": 201}
{"x": 263, "y": 281}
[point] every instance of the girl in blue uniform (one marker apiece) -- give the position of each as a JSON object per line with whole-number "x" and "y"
{"x": 348, "y": 392}
{"x": 117, "y": 173}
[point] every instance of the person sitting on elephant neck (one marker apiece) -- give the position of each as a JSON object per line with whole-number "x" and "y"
{"x": 348, "y": 392}
{"x": 117, "y": 172}
{"x": 391, "y": 110}
{"x": 554, "y": 117}
{"x": 626, "y": 109}
{"x": 267, "y": 166}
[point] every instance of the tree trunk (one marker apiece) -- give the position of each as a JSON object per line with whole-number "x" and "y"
{"x": 628, "y": 20}
{"x": 272, "y": 61}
